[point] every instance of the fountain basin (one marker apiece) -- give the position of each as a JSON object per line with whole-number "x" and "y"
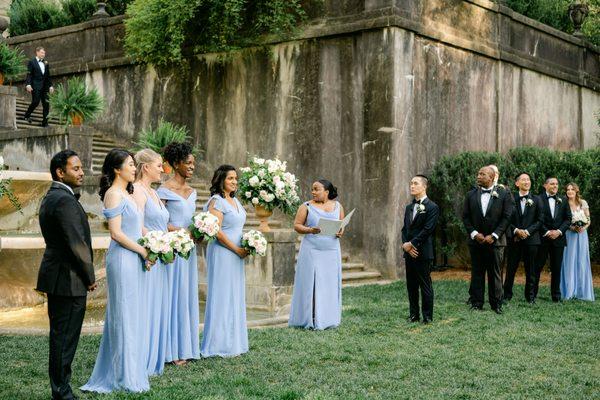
{"x": 29, "y": 188}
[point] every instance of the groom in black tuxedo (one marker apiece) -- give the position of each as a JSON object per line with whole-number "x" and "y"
{"x": 523, "y": 237}
{"x": 420, "y": 220}
{"x": 66, "y": 272}
{"x": 556, "y": 219}
{"x": 39, "y": 84}
{"x": 486, "y": 215}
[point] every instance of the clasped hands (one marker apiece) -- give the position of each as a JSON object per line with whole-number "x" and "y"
{"x": 521, "y": 234}
{"x": 479, "y": 238}
{"x": 410, "y": 249}
{"x": 553, "y": 234}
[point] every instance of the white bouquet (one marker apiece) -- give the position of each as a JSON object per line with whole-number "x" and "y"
{"x": 254, "y": 242}
{"x": 181, "y": 242}
{"x": 158, "y": 244}
{"x": 267, "y": 183}
{"x": 204, "y": 226}
{"x": 579, "y": 218}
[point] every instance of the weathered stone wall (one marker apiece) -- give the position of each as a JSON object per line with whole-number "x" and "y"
{"x": 377, "y": 93}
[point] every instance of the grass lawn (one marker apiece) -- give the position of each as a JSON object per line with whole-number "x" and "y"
{"x": 548, "y": 351}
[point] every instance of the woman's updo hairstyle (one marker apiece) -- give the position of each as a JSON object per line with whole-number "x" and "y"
{"x": 176, "y": 152}
{"x": 218, "y": 180}
{"x": 333, "y": 194}
{"x": 113, "y": 160}
{"x": 143, "y": 157}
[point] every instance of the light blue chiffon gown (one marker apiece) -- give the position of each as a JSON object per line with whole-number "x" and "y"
{"x": 317, "y": 296}
{"x": 156, "y": 218}
{"x": 225, "y": 332}
{"x": 576, "y": 271}
{"x": 183, "y": 334}
{"x": 121, "y": 361}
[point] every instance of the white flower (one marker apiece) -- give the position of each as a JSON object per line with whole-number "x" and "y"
{"x": 248, "y": 194}
{"x": 245, "y": 169}
{"x": 529, "y": 202}
{"x": 1, "y": 161}
{"x": 279, "y": 185}
{"x": 261, "y": 172}
{"x": 420, "y": 208}
{"x": 254, "y": 181}
{"x": 259, "y": 161}
{"x": 276, "y": 179}
{"x": 558, "y": 200}
{"x": 495, "y": 194}
{"x": 254, "y": 200}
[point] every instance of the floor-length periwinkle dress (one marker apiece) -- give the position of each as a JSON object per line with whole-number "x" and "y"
{"x": 225, "y": 332}
{"x": 156, "y": 218}
{"x": 183, "y": 335}
{"x": 317, "y": 296}
{"x": 121, "y": 361}
{"x": 576, "y": 271}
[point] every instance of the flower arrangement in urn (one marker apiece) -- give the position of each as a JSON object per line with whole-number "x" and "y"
{"x": 267, "y": 185}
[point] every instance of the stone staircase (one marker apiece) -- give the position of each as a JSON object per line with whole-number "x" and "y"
{"x": 354, "y": 272}
{"x": 36, "y": 116}
{"x": 101, "y": 145}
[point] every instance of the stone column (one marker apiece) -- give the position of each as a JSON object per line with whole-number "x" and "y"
{"x": 8, "y": 107}
{"x": 80, "y": 140}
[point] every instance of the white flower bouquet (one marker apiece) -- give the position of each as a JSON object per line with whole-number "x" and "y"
{"x": 579, "y": 218}
{"x": 255, "y": 243}
{"x": 158, "y": 244}
{"x": 181, "y": 242}
{"x": 267, "y": 183}
{"x": 204, "y": 226}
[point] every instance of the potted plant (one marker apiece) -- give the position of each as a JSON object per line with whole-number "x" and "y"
{"x": 73, "y": 103}
{"x": 12, "y": 62}
{"x": 267, "y": 185}
{"x": 158, "y": 138}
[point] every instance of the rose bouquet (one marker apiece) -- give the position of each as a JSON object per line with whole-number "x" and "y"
{"x": 204, "y": 226}
{"x": 254, "y": 243}
{"x": 158, "y": 245}
{"x": 181, "y": 242}
{"x": 267, "y": 183}
{"x": 579, "y": 218}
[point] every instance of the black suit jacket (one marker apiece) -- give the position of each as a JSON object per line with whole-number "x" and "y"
{"x": 530, "y": 220}
{"x": 67, "y": 268}
{"x": 497, "y": 217}
{"x": 35, "y": 78}
{"x": 561, "y": 220}
{"x": 419, "y": 231}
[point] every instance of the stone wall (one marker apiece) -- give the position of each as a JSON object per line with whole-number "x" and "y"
{"x": 376, "y": 92}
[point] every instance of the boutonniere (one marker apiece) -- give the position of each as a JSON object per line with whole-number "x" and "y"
{"x": 558, "y": 200}
{"x": 528, "y": 202}
{"x": 45, "y": 62}
{"x": 501, "y": 186}
{"x": 420, "y": 208}
{"x": 495, "y": 194}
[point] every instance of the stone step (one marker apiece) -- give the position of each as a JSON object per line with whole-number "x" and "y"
{"x": 360, "y": 277}
{"x": 104, "y": 146}
{"x": 352, "y": 267}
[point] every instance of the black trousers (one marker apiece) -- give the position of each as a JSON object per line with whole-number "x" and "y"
{"x": 486, "y": 259}
{"x": 418, "y": 276}
{"x": 38, "y": 95}
{"x": 66, "y": 317}
{"x": 517, "y": 252}
{"x": 556, "y": 255}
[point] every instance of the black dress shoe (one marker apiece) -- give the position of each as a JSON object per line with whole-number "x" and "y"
{"x": 44, "y": 124}
{"x": 426, "y": 321}
{"x": 498, "y": 310}
{"x": 476, "y": 308}
{"x": 412, "y": 319}
{"x": 469, "y": 301}
{"x": 555, "y": 300}
{"x": 532, "y": 302}
{"x": 28, "y": 119}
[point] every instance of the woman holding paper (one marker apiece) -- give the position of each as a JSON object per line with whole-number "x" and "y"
{"x": 317, "y": 298}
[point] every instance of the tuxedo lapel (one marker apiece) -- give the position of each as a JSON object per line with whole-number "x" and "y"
{"x": 518, "y": 205}
{"x": 478, "y": 199}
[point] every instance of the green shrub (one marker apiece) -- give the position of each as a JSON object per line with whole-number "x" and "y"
{"x": 164, "y": 133}
{"x": 453, "y": 176}
{"x": 74, "y": 98}
{"x": 28, "y": 16}
{"x": 77, "y": 11}
{"x": 12, "y": 61}
{"x": 158, "y": 31}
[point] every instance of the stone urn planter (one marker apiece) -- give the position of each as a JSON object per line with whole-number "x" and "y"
{"x": 76, "y": 119}
{"x": 263, "y": 216}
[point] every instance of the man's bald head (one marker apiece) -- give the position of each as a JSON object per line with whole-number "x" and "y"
{"x": 485, "y": 177}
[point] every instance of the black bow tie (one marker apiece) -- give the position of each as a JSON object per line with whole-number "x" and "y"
{"x": 552, "y": 197}
{"x": 41, "y": 60}
{"x": 415, "y": 201}
{"x": 486, "y": 190}
{"x": 523, "y": 197}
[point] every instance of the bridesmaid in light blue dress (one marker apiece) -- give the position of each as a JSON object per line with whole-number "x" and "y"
{"x": 183, "y": 334}
{"x": 576, "y": 274}
{"x": 317, "y": 297}
{"x": 121, "y": 361}
{"x": 156, "y": 301}
{"x": 225, "y": 332}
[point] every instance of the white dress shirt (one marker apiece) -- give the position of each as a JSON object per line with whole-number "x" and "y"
{"x": 523, "y": 205}
{"x": 551, "y": 203}
{"x": 42, "y": 66}
{"x": 485, "y": 201}
{"x": 414, "y": 213}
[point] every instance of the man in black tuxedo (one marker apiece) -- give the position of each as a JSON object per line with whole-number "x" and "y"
{"x": 486, "y": 216}
{"x": 39, "y": 84}
{"x": 420, "y": 220}
{"x": 556, "y": 219}
{"x": 523, "y": 237}
{"x": 66, "y": 272}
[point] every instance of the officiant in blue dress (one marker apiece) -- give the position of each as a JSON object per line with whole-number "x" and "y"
{"x": 317, "y": 297}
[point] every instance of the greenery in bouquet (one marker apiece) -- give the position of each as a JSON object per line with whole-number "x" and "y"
{"x": 254, "y": 243}
{"x": 204, "y": 226}
{"x": 181, "y": 243}
{"x": 158, "y": 245}
{"x": 267, "y": 183}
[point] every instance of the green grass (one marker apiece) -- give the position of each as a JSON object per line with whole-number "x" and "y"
{"x": 549, "y": 351}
